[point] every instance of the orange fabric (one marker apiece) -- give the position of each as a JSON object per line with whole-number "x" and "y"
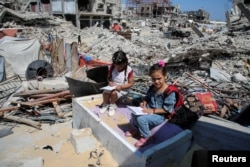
{"x": 81, "y": 61}
{"x": 1, "y": 34}
{"x": 208, "y": 101}
{"x": 116, "y": 28}
{"x": 10, "y": 32}
{"x": 95, "y": 63}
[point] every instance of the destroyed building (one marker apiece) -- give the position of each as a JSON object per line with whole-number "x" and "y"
{"x": 235, "y": 9}
{"x": 216, "y": 62}
{"x": 159, "y": 9}
{"x": 164, "y": 11}
{"x": 98, "y": 12}
{"x": 155, "y": 8}
{"x": 199, "y": 16}
{"x": 238, "y": 17}
{"x": 81, "y": 13}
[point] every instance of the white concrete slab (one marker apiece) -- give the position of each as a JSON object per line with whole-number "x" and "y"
{"x": 220, "y": 134}
{"x": 169, "y": 151}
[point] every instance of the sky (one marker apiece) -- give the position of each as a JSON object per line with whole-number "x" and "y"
{"x": 216, "y": 8}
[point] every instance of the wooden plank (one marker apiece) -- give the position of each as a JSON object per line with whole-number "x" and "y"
{"x": 39, "y": 95}
{"x": 8, "y": 108}
{"x": 60, "y": 94}
{"x": 32, "y": 92}
{"x": 23, "y": 120}
{"x": 58, "y": 109}
{"x": 38, "y": 103}
{"x": 125, "y": 34}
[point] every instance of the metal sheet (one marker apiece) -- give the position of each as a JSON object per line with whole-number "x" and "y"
{"x": 80, "y": 88}
{"x": 98, "y": 74}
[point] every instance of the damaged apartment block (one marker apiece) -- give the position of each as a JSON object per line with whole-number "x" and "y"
{"x": 239, "y": 16}
{"x": 83, "y": 14}
{"x": 98, "y": 12}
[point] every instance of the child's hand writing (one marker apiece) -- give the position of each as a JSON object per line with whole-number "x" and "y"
{"x": 111, "y": 83}
{"x": 119, "y": 88}
{"x": 143, "y": 104}
{"x": 147, "y": 110}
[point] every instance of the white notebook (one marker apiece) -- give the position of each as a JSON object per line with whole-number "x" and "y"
{"x": 110, "y": 88}
{"x": 136, "y": 110}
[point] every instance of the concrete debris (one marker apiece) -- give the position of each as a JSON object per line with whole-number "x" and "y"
{"x": 200, "y": 57}
{"x": 220, "y": 75}
{"x": 82, "y": 140}
{"x": 5, "y": 131}
{"x": 34, "y": 162}
{"x": 215, "y": 56}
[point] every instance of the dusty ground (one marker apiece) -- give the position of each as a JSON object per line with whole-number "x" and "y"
{"x": 28, "y": 143}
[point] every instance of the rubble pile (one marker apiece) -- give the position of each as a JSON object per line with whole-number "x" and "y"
{"x": 39, "y": 106}
{"x": 212, "y": 64}
{"x": 218, "y": 62}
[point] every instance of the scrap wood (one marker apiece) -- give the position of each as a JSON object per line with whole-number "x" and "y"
{"x": 176, "y": 81}
{"x": 60, "y": 94}
{"x": 7, "y": 109}
{"x": 38, "y": 103}
{"x": 47, "y": 95}
{"x": 216, "y": 90}
{"x": 23, "y": 120}
{"x": 32, "y": 92}
{"x": 226, "y": 103}
{"x": 202, "y": 83}
{"x": 232, "y": 91}
{"x": 181, "y": 84}
{"x": 39, "y": 95}
{"x": 58, "y": 109}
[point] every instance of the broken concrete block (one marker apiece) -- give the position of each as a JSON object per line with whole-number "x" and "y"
{"x": 239, "y": 64}
{"x": 53, "y": 84}
{"x": 220, "y": 75}
{"x": 83, "y": 140}
{"x": 5, "y": 131}
{"x": 238, "y": 77}
{"x": 36, "y": 162}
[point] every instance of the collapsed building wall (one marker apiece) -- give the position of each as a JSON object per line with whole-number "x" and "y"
{"x": 156, "y": 9}
{"x": 98, "y": 12}
{"x": 235, "y": 9}
{"x": 239, "y": 16}
{"x": 81, "y": 13}
{"x": 199, "y": 16}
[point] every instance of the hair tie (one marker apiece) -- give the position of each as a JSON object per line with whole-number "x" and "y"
{"x": 161, "y": 63}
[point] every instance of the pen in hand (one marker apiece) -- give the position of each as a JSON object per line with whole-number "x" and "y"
{"x": 143, "y": 104}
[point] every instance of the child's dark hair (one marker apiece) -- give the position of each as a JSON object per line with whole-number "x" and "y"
{"x": 158, "y": 66}
{"x": 119, "y": 57}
